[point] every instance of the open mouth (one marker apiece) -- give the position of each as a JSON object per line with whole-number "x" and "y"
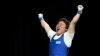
{"x": 58, "y": 29}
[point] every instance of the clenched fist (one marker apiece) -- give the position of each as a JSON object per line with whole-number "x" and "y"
{"x": 40, "y": 16}
{"x": 80, "y": 8}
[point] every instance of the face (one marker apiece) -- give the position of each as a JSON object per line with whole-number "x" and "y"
{"x": 60, "y": 27}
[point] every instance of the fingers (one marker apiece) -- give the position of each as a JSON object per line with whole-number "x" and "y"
{"x": 40, "y": 16}
{"x": 80, "y": 7}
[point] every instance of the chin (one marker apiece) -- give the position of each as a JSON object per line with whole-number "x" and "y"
{"x": 58, "y": 33}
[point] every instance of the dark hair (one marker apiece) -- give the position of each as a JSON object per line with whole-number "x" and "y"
{"x": 67, "y": 22}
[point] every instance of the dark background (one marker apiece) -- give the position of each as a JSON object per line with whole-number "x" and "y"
{"x": 30, "y": 39}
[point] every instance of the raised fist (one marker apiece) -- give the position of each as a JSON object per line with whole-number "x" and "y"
{"x": 80, "y": 7}
{"x": 40, "y": 16}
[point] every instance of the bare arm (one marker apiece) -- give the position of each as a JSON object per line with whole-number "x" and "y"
{"x": 75, "y": 19}
{"x": 44, "y": 24}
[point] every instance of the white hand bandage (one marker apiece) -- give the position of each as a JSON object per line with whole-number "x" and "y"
{"x": 40, "y": 16}
{"x": 80, "y": 7}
